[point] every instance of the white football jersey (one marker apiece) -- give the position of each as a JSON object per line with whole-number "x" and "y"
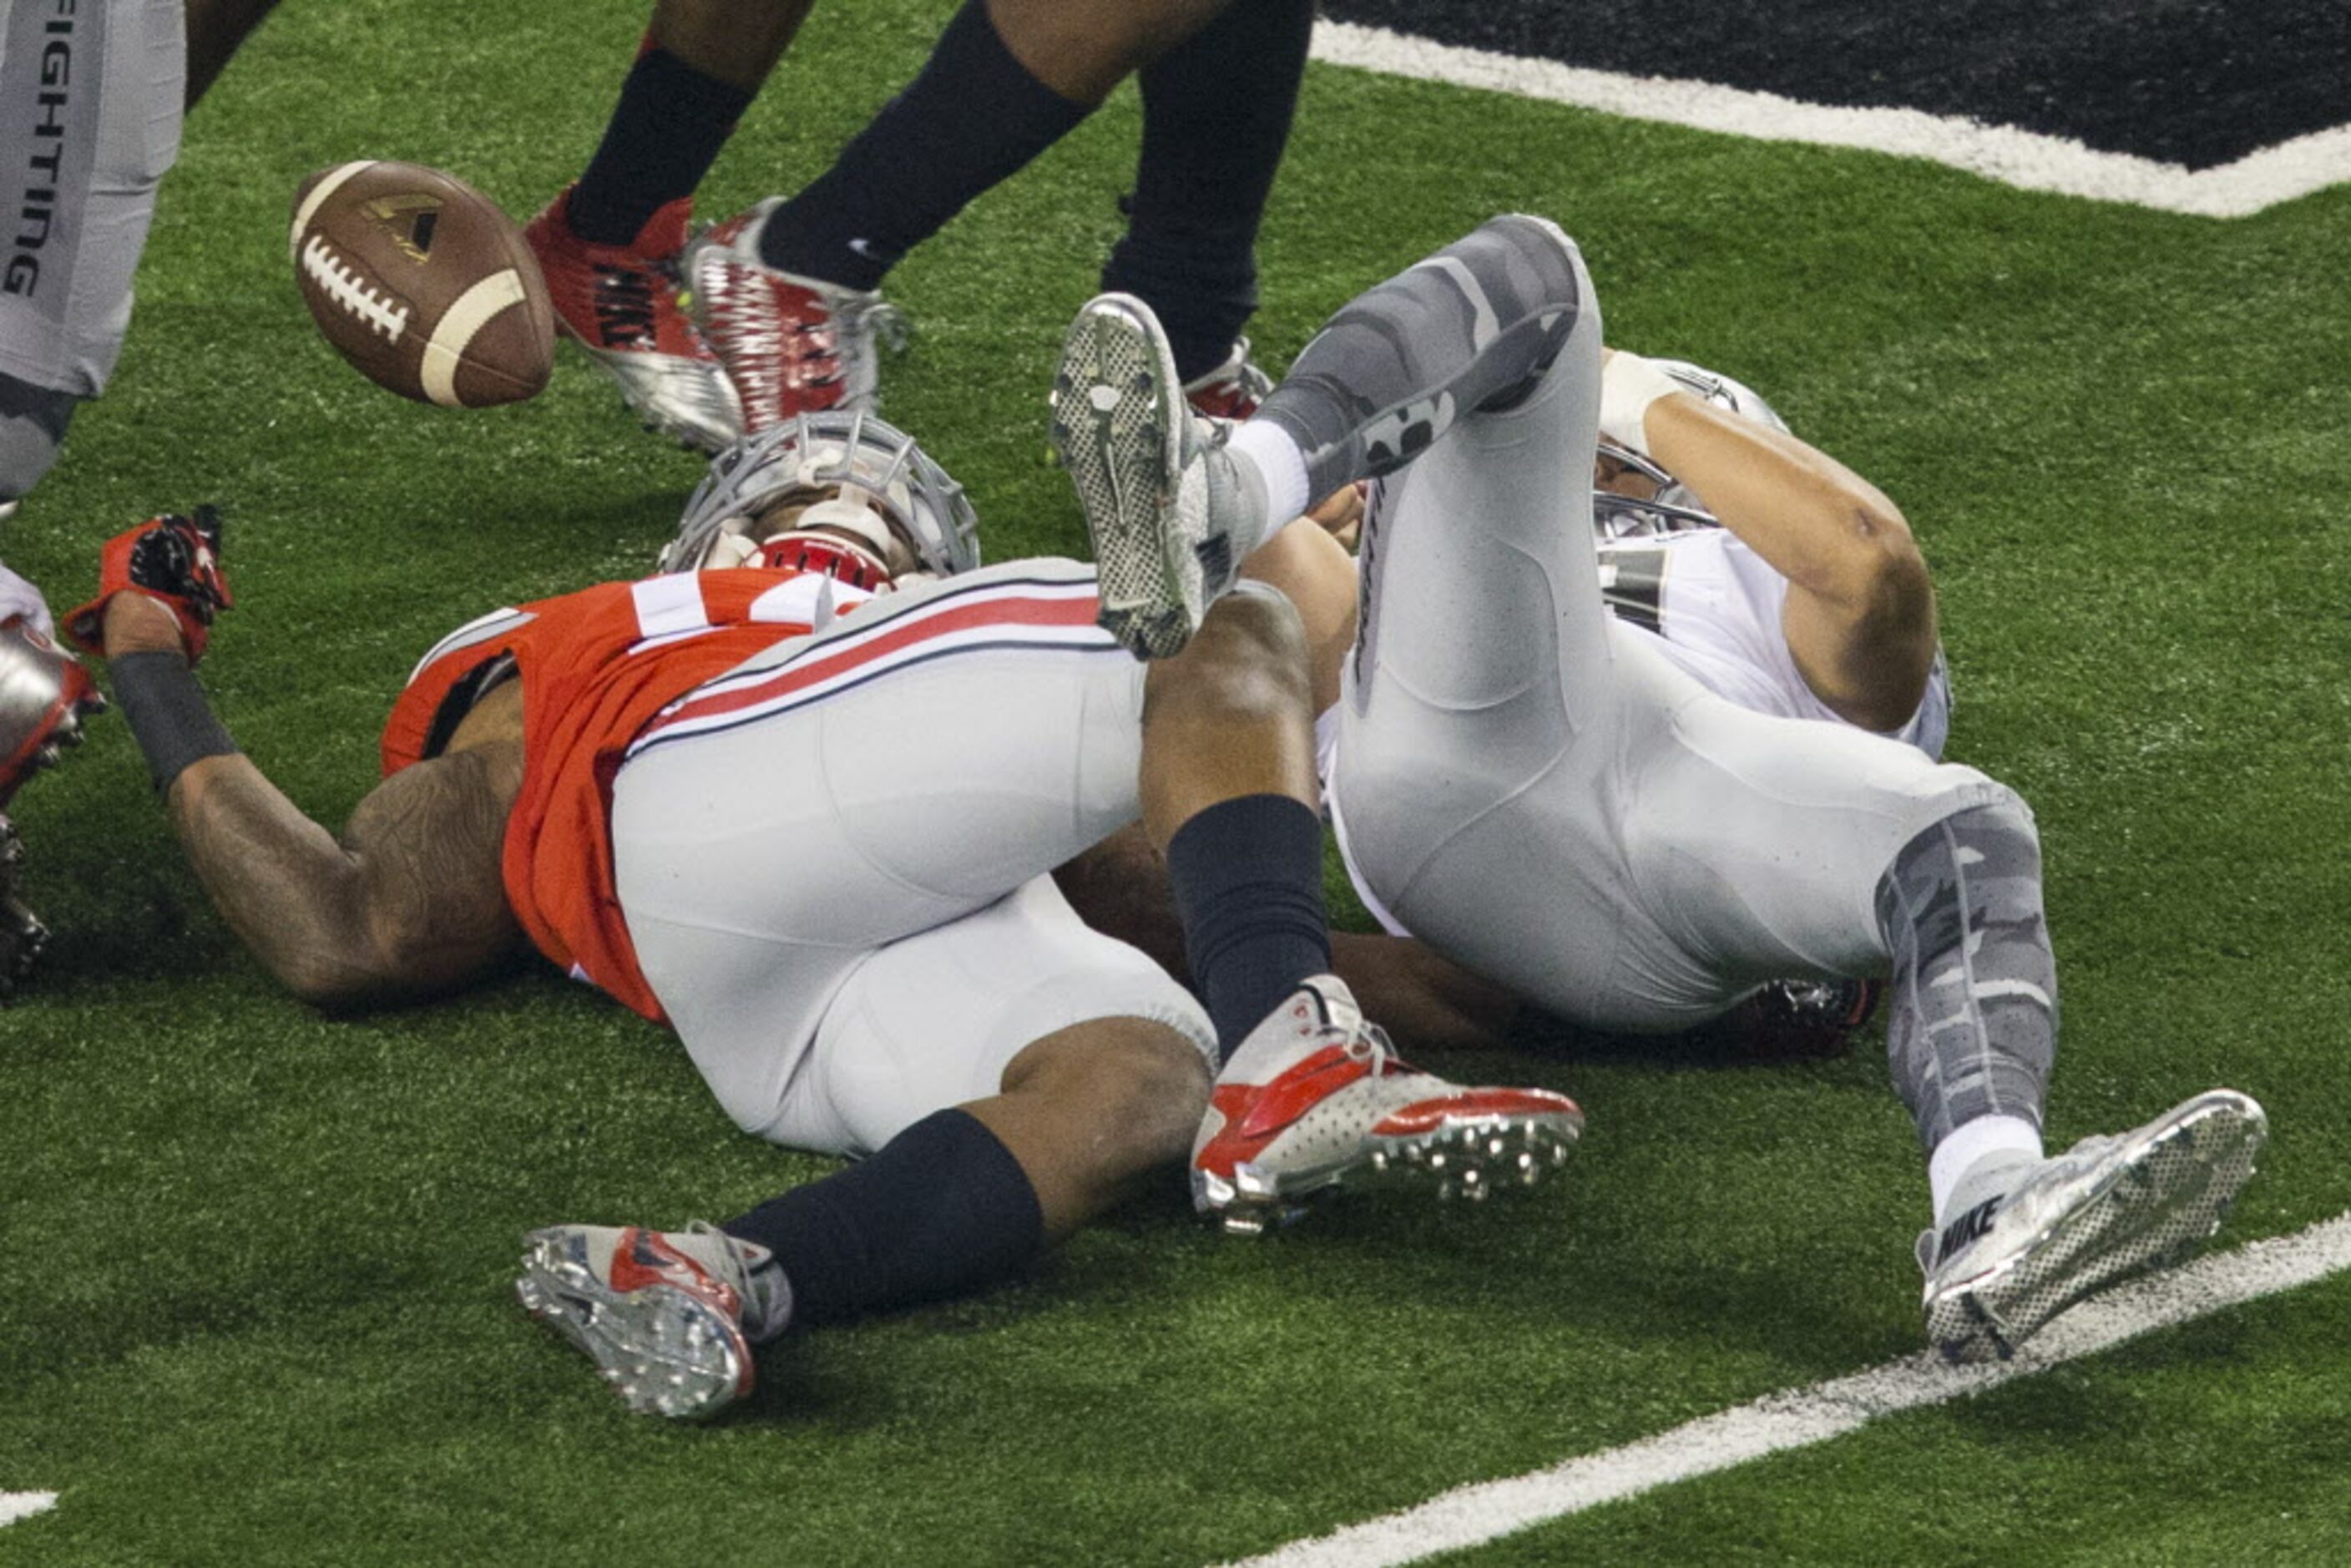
{"x": 1715, "y": 608}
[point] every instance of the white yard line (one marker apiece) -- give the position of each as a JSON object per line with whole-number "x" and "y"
{"x": 1798, "y": 1417}
{"x": 17, "y": 1505}
{"x": 2019, "y": 158}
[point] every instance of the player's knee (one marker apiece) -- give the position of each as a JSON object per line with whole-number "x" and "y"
{"x": 1133, "y": 1090}
{"x": 1247, "y": 663}
{"x": 32, "y": 425}
{"x": 1981, "y": 859}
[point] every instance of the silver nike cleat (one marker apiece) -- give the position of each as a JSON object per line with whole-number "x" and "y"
{"x": 1164, "y": 505}
{"x": 660, "y": 1312}
{"x": 2107, "y": 1209}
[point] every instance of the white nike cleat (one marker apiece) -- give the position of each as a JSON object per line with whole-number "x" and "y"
{"x": 1170, "y": 516}
{"x": 661, "y": 1313}
{"x": 1315, "y": 1097}
{"x": 791, "y": 345}
{"x": 2104, "y": 1210}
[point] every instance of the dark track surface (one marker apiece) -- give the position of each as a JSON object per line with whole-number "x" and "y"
{"x": 2197, "y": 82}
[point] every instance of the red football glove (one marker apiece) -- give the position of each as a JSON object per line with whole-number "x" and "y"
{"x": 173, "y": 560}
{"x": 44, "y": 693}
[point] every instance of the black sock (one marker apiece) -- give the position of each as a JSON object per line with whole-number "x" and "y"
{"x": 1215, "y": 115}
{"x": 1248, "y": 879}
{"x": 973, "y": 117}
{"x": 942, "y": 1209}
{"x": 665, "y": 132}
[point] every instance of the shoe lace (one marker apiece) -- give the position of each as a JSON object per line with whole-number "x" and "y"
{"x": 1369, "y": 1044}
{"x": 1234, "y": 390}
{"x": 876, "y": 316}
{"x": 754, "y": 1288}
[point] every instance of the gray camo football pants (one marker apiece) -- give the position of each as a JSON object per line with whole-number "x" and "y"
{"x": 1530, "y": 786}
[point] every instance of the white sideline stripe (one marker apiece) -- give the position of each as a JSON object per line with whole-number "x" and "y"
{"x": 467, "y": 315}
{"x": 328, "y": 184}
{"x": 2024, "y": 159}
{"x": 1798, "y": 1417}
{"x": 17, "y": 1505}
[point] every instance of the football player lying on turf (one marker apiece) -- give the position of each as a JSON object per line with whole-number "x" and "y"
{"x": 1531, "y": 786}
{"x": 1774, "y": 602}
{"x": 809, "y": 821}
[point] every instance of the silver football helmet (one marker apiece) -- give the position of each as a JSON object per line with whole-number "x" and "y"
{"x": 854, "y": 471}
{"x": 1674, "y": 509}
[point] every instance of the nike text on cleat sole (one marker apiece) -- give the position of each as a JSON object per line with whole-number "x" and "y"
{"x": 1469, "y": 1160}
{"x": 2171, "y": 1186}
{"x": 1117, "y": 428}
{"x": 663, "y": 1350}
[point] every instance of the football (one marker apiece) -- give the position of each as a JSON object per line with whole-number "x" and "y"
{"x": 423, "y": 284}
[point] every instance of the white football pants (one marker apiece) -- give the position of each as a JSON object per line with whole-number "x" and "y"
{"x": 1525, "y": 785}
{"x": 834, "y": 860}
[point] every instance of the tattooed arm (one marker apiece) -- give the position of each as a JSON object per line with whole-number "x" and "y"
{"x": 407, "y": 903}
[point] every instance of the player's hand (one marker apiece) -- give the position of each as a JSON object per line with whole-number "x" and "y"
{"x": 1339, "y": 514}
{"x": 172, "y": 560}
{"x": 45, "y": 694}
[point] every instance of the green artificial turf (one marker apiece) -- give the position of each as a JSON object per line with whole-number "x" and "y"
{"x": 254, "y": 1303}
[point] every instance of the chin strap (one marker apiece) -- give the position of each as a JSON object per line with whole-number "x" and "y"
{"x": 827, "y": 555}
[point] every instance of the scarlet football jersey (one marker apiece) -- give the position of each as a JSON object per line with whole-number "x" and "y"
{"x": 596, "y": 667}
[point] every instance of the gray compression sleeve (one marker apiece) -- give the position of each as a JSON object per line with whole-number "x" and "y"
{"x": 1472, "y": 326}
{"x": 1972, "y": 1025}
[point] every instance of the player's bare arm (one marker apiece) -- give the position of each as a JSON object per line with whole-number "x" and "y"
{"x": 406, "y": 903}
{"x": 1860, "y": 616}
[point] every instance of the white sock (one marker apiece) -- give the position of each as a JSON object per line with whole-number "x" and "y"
{"x": 1976, "y": 1151}
{"x": 1263, "y": 449}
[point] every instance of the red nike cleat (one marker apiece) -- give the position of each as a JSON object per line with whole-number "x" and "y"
{"x": 791, "y": 345}
{"x": 621, "y": 303}
{"x": 1315, "y": 1098}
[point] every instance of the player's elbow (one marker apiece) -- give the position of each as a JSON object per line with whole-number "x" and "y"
{"x": 1880, "y": 573}
{"x": 327, "y": 982}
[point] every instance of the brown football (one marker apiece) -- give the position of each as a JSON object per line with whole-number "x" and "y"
{"x": 423, "y": 284}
